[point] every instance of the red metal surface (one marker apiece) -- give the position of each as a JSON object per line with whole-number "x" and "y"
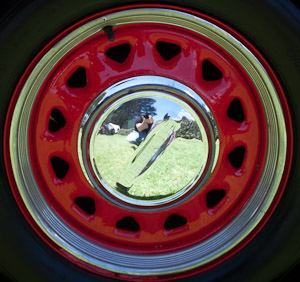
{"x": 144, "y": 59}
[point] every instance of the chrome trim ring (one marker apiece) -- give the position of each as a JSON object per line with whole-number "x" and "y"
{"x": 161, "y": 264}
{"x": 159, "y": 89}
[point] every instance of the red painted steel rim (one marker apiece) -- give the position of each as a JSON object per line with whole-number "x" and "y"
{"x": 249, "y": 132}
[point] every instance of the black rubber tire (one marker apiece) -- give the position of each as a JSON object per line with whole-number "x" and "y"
{"x": 272, "y": 26}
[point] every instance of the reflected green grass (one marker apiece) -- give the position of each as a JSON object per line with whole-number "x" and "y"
{"x": 172, "y": 171}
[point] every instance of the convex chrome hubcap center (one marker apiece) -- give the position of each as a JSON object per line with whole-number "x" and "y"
{"x": 147, "y": 141}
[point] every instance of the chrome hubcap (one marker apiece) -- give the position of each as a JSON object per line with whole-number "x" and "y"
{"x": 157, "y": 172}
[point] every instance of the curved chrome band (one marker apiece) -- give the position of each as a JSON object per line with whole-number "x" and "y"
{"x": 158, "y": 89}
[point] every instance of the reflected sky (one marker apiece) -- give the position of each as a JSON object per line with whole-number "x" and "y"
{"x": 174, "y": 110}
{"x": 130, "y": 110}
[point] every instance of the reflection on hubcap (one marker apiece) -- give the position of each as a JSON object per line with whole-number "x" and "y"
{"x": 141, "y": 145}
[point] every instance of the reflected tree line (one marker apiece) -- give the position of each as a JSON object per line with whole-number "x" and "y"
{"x": 127, "y": 113}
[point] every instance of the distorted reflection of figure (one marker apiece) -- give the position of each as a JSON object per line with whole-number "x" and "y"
{"x": 160, "y": 137}
{"x": 109, "y": 129}
{"x": 142, "y": 127}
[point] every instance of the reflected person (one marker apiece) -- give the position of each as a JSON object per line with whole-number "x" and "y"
{"x": 142, "y": 127}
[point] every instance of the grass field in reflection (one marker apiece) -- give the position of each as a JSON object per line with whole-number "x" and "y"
{"x": 171, "y": 172}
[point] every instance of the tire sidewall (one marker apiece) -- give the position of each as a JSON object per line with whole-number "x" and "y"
{"x": 271, "y": 26}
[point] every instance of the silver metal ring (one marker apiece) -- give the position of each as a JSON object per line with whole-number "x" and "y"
{"x": 100, "y": 166}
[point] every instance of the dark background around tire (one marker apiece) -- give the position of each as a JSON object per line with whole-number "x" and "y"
{"x": 272, "y": 26}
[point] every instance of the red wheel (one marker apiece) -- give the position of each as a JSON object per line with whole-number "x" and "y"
{"x": 169, "y": 208}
